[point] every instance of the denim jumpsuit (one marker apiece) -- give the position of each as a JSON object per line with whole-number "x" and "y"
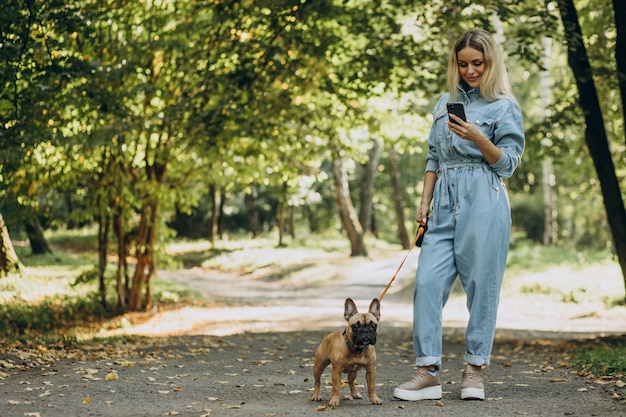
{"x": 469, "y": 230}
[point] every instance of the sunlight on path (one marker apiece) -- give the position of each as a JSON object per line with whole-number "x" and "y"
{"x": 557, "y": 300}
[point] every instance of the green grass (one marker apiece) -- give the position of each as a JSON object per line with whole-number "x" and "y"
{"x": 526, "y": 256}
{"x": 606, "y": 357}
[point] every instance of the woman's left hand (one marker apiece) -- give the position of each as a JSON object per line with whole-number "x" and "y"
{"x": 469, "y": 131}
{"x": 464, "y": 130}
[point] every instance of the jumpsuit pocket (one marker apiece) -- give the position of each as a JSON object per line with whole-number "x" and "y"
{"x": 486, "y": 126}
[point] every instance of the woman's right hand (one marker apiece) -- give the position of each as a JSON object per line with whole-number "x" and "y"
{"x": 422, "y": 215}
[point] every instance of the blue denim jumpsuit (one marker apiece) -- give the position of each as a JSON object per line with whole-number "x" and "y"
{"x": 469, "y": 230}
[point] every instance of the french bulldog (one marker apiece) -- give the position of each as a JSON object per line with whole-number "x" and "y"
{"x": 349, "y": 350}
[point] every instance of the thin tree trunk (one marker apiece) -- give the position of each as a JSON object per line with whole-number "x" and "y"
{"x": 140, "y": 292}
{"x": 282, "y": 210}
{"x": 398, "y": 198}
{"x": 214, "y": 209}
{"x": 619, "y": 11}
{"x": 347, "y": 213}
{"x": 220, "y": 214}
{"x": 550, "y": 224}
{"x": 370, "y": 169}
{"x": 9, "y": 262}
{"x": 104, "y": 224}
{"x": 595, "y": 134}
{"x": 254, "y": 224}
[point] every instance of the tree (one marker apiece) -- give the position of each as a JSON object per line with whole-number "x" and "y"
{"x": 9, "y": 262}
{"x": 595, "y": 134}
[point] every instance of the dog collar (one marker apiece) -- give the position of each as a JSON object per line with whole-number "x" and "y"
{"x": 356, "y": 349}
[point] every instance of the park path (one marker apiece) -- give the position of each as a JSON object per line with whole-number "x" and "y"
{"x": 250, "y": 353}
{"x": 288, "y": 299}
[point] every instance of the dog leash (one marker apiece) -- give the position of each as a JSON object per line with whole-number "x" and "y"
{"x": 420, "y": 231}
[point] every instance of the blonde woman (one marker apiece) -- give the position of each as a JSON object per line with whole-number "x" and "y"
{"x": 470, "y": 222}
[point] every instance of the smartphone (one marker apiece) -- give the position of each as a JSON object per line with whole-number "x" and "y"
{"x": 458, "y": 109}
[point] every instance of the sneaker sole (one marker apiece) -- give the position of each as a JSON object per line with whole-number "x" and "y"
{"x": 430, "y": 393}
{"x": 472, "y": 394}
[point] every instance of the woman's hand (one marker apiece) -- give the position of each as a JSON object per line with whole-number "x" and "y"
{"x": 422, "y": 214}
{"x": 465, "y": 130}
{"x": 469, "y": 131}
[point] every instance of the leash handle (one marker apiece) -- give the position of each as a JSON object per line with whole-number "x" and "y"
{"x": 419, "y": 236}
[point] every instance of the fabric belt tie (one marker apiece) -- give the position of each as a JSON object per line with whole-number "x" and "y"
{"x": 442, "y": 176}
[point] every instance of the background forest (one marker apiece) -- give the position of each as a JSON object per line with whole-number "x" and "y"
{"x": 148, "y": 120}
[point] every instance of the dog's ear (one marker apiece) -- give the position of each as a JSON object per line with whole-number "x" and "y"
{"x": 349, "y": 309}
{"x": 375, "y": 308}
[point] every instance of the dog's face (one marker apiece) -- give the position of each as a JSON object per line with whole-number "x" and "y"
{"x": 362, "y": 326}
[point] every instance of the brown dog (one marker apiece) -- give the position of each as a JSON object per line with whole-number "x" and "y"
{"x": 350, "y": 350}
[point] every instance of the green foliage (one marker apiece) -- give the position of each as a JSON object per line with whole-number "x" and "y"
{"x": 52, "y": 315}
{"x": 608, "y": 359}
{"x": 110, "y": 107}
{"x": 527, "y": 256}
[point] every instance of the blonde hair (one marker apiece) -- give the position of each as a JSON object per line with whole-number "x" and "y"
{"x": 494, "y": 83}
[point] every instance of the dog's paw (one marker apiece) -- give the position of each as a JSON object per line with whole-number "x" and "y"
{"x": 333, "y": 403}
{"x": 316, "y": 398}
{"x": 376, "y": 401}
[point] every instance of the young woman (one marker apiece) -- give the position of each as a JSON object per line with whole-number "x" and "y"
{"x": 470, "y": 224}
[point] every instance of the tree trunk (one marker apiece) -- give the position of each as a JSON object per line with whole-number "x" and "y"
{"x": 254, "y": 223}
{"x": 370, "y": 169}
{"x": 141, "y": 292}
{"x": 398, "y": 198}
{"x": 619, "y": 9}
{"x": 347, "y": 213}
{"x": 38, "y": 243}
{"x": 9, "y": 262}
{"x": 220, "y": 214}
{"x": 550, "y": 210}
{"x": 104, "y": 224}
{"x": 595, "y": 134}
{"x": 550, "y": 225}
{"x": 213, "y": 229}
{"x": 292, "y": 221}
{"x": 282, "y": 214}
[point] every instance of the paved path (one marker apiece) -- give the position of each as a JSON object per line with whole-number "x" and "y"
{"x": 252, "y": 355}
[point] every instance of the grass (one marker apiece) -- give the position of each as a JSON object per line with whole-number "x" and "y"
{"x": 608, "y": 359}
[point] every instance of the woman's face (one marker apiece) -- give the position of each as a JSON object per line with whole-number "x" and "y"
{"x": 471, "y": 65}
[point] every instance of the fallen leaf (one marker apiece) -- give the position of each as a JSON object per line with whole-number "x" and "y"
{"x": 620, "y": 384}
{"x": 86, "y": 400}
{"x": 178, "y": 389}
{"x": 13, "y": 402}
{"x": 111, "y": 376}
{"x": 163, "y": 392}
